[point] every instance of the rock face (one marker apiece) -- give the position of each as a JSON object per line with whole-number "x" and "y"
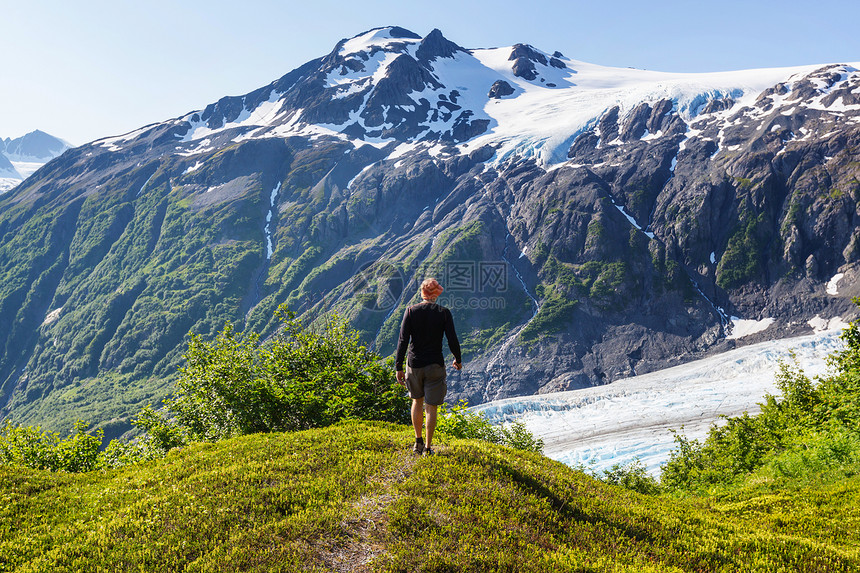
{"x": 588, "y": 223}
{"x": 500, "y": 89}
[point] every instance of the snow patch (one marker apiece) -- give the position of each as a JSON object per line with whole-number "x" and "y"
{"x": 833, "y": 284}
{"x": 26, "y": 168}
{"x": 265, "y": 114}
{"x": 268, "y": 229}
{"x": 359, "y": 174}
{"x": 112, "y": 143}
{"x": 193, "y": 168}
{"x": 819, "y": 324}
{"x": 744, "y": 327}
{"x": 145, "y": 183}
{"x": 380, "y": 37}
{"x": 632, "y": 221}
{"x": 8, "y": 183}
{"x": 52, "y": 316}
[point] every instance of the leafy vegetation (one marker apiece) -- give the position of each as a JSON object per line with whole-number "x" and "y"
{"x": 633, "y": 476}
{"x": 742, "y": 259}
{"x": 301, "y": 379}
{"x": 235, "y": 385}
{"x": 555, "y": 311}
{"x": 458, "y": 422}
{"x": 810, "y": 432}
{"x": 353, "y": 497}
{"x": 128, "y": 276}
{"x": 34, "y": 448}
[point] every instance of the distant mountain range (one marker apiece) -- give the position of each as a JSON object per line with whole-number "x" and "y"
{"x": 21, "y": 156}
{"x": 587, "y": 222}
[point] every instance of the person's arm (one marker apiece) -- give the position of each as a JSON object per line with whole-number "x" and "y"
{"x": 453, "y": 342}
{"x": 402, "y": 347}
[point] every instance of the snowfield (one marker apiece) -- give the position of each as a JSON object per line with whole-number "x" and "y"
{"x": 634, "y": 418}
{"x": 540, "y": 119}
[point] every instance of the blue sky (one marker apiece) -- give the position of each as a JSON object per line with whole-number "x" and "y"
{"x": 93, "y": 68}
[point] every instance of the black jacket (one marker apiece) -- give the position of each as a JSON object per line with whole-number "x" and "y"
{"x": 424, "y": 324}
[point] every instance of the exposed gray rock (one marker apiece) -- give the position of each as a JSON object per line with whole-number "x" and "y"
{"x": 435, "y": 45}
{"x": 524, "y": 58}
{"x": 499, "y": 89}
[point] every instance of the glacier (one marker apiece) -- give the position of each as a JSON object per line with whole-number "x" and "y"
{"x": 598, "y": 427}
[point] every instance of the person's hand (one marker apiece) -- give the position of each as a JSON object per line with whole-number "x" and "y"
{"x": 401, "y": 377}
{"x": 458, "y": 365}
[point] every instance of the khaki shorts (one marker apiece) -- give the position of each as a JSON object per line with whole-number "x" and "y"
{"x": 427, "y": 382}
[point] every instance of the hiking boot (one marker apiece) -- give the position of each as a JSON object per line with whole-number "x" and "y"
{"x": 428, "y": 451}
{"x": 418, "y": 448}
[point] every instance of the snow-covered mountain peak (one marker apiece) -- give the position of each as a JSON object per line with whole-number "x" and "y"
{"x": 434, "y": 46}
{"x": 36, "y": 146}
{"x": 22, "y": 156}
{"x": 390, "y": 86}
{"x": 391, "y": 38}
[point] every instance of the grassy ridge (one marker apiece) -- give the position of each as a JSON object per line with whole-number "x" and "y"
{"x": 353, "y": 498}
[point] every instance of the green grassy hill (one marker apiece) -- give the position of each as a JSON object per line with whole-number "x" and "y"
{"x": 352, "y": 497}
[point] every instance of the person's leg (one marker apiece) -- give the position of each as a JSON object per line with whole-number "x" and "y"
{"x": 418, "y": 417}
{"x": 431, "y": 422}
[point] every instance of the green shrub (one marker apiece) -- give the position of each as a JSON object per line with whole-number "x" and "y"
{"x": 32, "y": 447}
{"x": 812, "y": 427}
{"x": 632, "y": 475}
{"x": 458, "y": 422}
{"x": 835, "y": 453}
{"x": 742, "y": 259}
{"x": 301, "y": 379}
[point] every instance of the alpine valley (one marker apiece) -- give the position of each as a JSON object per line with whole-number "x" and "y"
{"x": 587, "y": 222}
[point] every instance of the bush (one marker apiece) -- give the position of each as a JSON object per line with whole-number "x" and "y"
{"x": 632, "y": 475}
{"x": 811, "y": 427}
{"x": 303, "y": 378}
{"x": 836, "y": 453}
{"x": 458, "y": 422}
{"x": 32, "y": 447}
{"x": 235, "y": 385}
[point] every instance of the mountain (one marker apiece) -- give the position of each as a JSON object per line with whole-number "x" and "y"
{"x": 589, "y": 223}
{"x": 7, "y": 170}
{"x": 20, "y": 157}
{"x": 9, "y": 176}
{"x": 37, "y": 147}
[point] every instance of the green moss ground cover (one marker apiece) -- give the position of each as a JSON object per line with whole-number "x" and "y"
{"x": 352, "y": 497}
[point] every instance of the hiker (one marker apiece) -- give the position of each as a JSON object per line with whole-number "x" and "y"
{"x": 424, "y": 324}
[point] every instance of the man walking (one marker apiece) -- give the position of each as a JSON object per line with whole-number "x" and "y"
{"x": 423, "y": 325}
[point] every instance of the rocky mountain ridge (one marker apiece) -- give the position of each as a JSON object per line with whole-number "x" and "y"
{"x": 589, "y": 223}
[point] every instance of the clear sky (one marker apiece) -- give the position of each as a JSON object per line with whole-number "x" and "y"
{"x": 87, "y": 69}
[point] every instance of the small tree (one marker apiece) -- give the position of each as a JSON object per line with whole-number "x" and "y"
{"x": 303, "y": 378}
